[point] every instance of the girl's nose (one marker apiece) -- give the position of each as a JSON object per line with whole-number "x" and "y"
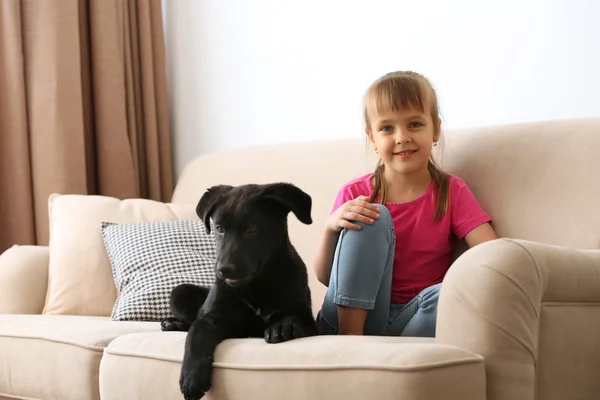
{"x": 402, "y": 136}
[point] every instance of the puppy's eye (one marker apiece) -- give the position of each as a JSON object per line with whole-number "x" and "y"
{"x": 219, "y": 229}
{"x": 251, "y": 230}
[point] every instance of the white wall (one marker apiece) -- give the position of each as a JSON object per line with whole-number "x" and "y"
{"x": 251, "y": 72}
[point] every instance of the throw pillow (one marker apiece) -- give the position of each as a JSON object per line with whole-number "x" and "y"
{"x": 80, "y": 280}
{"x": 150, "y": 258}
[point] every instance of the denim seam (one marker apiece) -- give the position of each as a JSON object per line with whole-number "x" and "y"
{"x": 328, "y": 323}
{"x": 337, "y": 269}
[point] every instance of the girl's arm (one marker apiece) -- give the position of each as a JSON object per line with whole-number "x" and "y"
{"x": 324, "y": 257}
{"x": 482, "y": 233}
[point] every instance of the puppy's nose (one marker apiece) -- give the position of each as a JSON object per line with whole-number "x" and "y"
{"x": 226, "y": 271}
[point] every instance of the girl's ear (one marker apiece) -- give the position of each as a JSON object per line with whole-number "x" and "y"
{"x": 438, "y": 130}
{"x": 371, "y": 141}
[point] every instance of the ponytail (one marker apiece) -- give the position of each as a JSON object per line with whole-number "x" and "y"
{"x": 442, "y": 181}
{"x": 379, "y": 188}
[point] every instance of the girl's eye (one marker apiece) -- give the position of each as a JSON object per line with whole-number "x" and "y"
{"x": 387, "y": 128}
{"x": 415, "y": 125}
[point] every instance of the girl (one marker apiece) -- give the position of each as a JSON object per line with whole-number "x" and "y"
{"x": 389, "y": 239}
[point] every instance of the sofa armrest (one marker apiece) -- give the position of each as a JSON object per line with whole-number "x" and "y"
{"x": 529, "y": 309}
{"x": 23, "y": 279}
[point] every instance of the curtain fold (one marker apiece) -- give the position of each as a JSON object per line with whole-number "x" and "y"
{"x": 83, "y": 107}
{"x": 17, "y": 217}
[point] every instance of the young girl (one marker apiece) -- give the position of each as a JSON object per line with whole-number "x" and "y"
{"x": 389, "y": 239}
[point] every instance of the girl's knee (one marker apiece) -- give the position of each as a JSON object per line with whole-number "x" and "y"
{"x": 384, "y": 223}
{"x": 385, "y": 217}
{"x": 433, "y": 291}
{"x": 430, "y": 296}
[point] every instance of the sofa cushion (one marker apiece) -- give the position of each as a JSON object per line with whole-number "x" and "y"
{"x": 147, "y": 365}
{"x": 80, "y": 280}
{"x": 23, "y": 279}
{"x": 150, "y": 258}
{"x": 56, "y": 357}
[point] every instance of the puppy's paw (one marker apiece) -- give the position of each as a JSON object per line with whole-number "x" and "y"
{"x": 195, "y": 379}
{"x": 168, "y": 324}
{"x": 286, "y": 329}
{"x": 174, "y": 324}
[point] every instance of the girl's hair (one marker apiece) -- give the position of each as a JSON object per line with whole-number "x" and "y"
{"x": 402, "y": 89}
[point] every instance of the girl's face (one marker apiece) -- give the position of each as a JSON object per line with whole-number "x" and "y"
{"x": 403, "y": 138}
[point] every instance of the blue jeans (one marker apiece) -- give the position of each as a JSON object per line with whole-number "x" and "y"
{"x": 361, "y": 277}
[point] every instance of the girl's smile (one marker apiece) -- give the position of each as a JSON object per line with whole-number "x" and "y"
{"x": 405, "y": 153}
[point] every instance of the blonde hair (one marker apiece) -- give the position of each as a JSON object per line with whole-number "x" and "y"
{"x": 402, "y": 89}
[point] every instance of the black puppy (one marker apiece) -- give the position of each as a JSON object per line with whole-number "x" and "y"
{"x": 261, "y": 287}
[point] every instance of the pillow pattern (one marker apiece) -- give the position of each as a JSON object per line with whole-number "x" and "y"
{"x": 149, "y": 259}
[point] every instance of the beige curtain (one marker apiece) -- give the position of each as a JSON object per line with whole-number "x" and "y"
{"x": 83, "y": 107}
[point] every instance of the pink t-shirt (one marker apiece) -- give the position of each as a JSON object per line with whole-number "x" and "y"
{"x": 423, "y": 246}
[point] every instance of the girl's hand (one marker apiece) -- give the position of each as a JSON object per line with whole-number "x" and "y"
{"x": 358, "y": 210}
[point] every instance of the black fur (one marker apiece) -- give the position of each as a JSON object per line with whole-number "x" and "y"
{"x": 261, "y": 287}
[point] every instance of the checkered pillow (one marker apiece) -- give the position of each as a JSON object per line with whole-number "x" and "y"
{"x": 149, "y": 259}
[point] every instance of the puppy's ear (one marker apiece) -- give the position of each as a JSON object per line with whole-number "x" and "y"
{"x": 291, "y": 198}
{"x": 209, "y": 202}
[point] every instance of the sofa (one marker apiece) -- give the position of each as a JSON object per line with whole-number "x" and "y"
{"x": 518, "y": 317}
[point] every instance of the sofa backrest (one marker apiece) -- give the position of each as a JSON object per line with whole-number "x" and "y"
{"x": 538, "y": 181}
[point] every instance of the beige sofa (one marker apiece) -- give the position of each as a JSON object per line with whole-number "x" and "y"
{"x": 519, "y": 318}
